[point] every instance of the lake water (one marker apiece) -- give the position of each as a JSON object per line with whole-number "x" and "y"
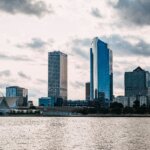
{"x": 58, "y": 133}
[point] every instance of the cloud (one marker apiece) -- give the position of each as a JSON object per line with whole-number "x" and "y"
{"x": 15, "y": 58}
{"x": 28, "y": 7}
{"x": 41, "y": 81}
{"x": 5, "y": 73}
{"x": 82, "y": 42}
{"x": 36, "y": 44}
{"x": 77, "y": 84}
{"x": 96, "y": 13}
{"x": 81, "y": 47}
{"x": 23, "y": 75}
{"x": 80, "y": 52}
{"x": 121, "y": 46}
{"x": 36, "y": 93}
{"x": 134, "y": 11}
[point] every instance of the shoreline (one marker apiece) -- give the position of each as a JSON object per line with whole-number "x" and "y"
{"x": 80, "y": 115}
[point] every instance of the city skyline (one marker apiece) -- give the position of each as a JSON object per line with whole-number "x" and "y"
{"x": 27, "y": 37}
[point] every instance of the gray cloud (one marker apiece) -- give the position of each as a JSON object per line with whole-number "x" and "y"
{"x": 23, "y": 75}
{"x": 134, "y": 11}
{"x": 28, "y": 7}
{"x": 81, "y": 47}
{"x": 78, "y": 66}
{"x": 43, "y": 64}
{"x": 35, "y": 93}
{"x": 5, "y": 73}
{"x": 80, "y": 52}
{"x": 36, "y": 44}
{"x": 118, "y": 44}
{"x": 96, "y": 13}
{"x": 121, "y": 46}
{"x": 82, "y": 42}
{"x": 77, "y": 84}
{"x": 41, "y": 81}
{"x": 15, "y": 58}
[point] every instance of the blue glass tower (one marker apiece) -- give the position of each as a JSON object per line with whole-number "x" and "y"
{"x": 101, "y": 73}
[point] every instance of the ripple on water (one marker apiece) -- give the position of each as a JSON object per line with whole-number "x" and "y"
{"x": 58, "y": 133}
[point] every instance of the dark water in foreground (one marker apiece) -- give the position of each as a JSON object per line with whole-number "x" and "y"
{"x": 23, "y": 133}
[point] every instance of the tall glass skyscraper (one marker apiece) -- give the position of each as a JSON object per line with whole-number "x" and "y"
{"x": 57, "y": 75}
{"x": 101, "y": 71}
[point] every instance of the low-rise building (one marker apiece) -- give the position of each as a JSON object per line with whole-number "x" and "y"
{"x": 16, "y": 91}
{"x": 4, "y": 108}
{"x": 129, "y": 101}
{"x": 75, "y": 103}
{"x": 132, "y": 99}
{"x": 13, "y": 102}
{"x": 143, "y": 100}
{"x": 47, "y": 101}
{"x": 30, "y": 103}
{"x": 123, "y": 100}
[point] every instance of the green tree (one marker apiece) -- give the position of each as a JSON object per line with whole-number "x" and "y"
{"x": 116, "y": 108}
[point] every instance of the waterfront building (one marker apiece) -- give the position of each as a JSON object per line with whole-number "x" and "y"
{"x": 129, "y": 101}
{"x": 16, "y": 91}
{"x": 101, "y": 72}
{"x": 30, "y": 104}
{"x": 3, "y": 105}
{"x": 143, "y": 100}
{"x": 47, "y": 101}
{"x": 14, "y": 102}
{"x": 57, "y": 75}
{"x": 137, "y": 83}
{"x": 87, "y": 91}
{"x": 77, "y": 103}
{"x": 123, "y": 100}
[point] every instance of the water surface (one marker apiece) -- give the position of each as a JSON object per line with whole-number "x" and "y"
{"x": 58, "y": 133}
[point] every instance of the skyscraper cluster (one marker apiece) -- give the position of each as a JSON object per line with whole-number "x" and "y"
{"x": 100, "y": 87}
{"x": 101, "y": 74}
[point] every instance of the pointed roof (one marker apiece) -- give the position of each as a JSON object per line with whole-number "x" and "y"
{"x": 138, "y": 69}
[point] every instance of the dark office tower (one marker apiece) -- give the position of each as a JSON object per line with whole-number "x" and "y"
{"x": 16, "y": 91}
{"x": 87, "y": 91}
{"x": 101, "y": 72}
{"x": 57, "y": 75}
{"x": 137, "y": 82}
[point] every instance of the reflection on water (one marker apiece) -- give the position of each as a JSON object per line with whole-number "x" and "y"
{"x": 58, "y": 133}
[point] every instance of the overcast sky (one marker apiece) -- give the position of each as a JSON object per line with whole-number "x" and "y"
{"x": 29, "y": 29}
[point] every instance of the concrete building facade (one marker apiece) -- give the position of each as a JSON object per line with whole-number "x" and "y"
{"x": 57, "y": 75}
